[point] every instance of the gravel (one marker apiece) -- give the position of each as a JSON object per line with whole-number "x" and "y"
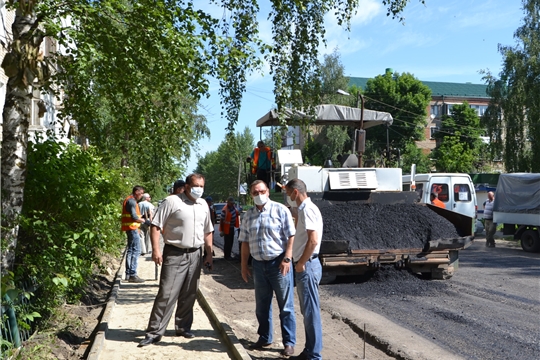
{"x": 382, "y": 226}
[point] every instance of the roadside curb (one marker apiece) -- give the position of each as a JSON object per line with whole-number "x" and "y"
{"x": 237, "y": 350}
{"x": 103, "y": 327}
{"x": 227, "y": 334}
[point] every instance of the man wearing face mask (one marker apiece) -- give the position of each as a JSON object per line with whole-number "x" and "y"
{"x": 308, "y": 269}
{"x": 184, "y": 220}
{"x": 267, "y": 233}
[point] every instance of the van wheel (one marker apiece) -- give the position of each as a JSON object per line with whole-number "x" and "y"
{"x": 530, "y": 241}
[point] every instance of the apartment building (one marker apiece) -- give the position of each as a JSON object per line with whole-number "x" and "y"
{"x": 44, "y": 106}
{"x": 444, "y": 95}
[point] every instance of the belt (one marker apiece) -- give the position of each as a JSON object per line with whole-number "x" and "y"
{"x": 314, "y": 256}
{"x": 183, "y": 250}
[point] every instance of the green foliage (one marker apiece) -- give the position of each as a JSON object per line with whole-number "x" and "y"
{"x": 134, "y": 93}
{"x": 224, "y": 168}
{"x": 406, "y": 98}
{"x": 513, "y": 116}
{"x": 70, "y": 216}
{"x": 328, "y": 142}
{"x": 414, "y": 155}
{"x": 458, "y": 141}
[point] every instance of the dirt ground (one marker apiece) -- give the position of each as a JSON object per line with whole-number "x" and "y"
{"x": 69, "y": 334}
{"x": 72, "y": 333}
{"x": 236, "y": 299}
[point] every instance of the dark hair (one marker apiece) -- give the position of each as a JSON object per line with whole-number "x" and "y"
{"x": 230, "y": 199}
{"x": 190, "y": 177}
{"x": 257, "y": 182}
{"x": 260, "y": 143}
{"x": 434, "y": 195}
{"x": 136, "y": 188}
{"x": 297, "y": 184}
{"x": 178, "y": 184}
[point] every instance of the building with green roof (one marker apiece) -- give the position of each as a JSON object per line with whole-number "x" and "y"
{"x": 443, "y": 96}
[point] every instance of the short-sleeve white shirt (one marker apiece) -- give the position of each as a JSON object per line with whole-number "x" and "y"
{"x": 184, "y": 223}
{"x": 309, "y": 218}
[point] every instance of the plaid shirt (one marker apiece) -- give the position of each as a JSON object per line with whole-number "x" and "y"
{"x": 267, "y": 231}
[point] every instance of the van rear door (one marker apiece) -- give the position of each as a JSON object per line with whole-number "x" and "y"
{"x": 456, "y": 192}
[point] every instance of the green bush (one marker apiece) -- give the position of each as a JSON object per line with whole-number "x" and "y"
{"x": 71, "y": 215}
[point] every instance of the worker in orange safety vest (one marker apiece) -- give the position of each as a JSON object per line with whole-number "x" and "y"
{"x": 435, "y": 200}
{"x": 131, "y": 222}
{"x": 230, "y": 221}
{"x": 263, "y": 162}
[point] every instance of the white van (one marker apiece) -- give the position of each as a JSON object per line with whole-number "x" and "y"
{"x": 456, "y": 191}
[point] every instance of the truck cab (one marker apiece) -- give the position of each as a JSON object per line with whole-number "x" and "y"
{"x": 455, "y": 190}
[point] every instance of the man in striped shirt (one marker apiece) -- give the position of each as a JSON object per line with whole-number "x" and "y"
{"x": 267, "y": 233}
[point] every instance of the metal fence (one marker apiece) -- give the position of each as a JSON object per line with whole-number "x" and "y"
{"x": 13, "y": 335}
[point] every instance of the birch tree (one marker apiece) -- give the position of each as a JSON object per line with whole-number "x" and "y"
{"x": 117, "y": 45}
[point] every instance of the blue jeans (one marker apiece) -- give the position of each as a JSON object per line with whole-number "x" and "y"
{"x": 133, "y": 252}
{"x": 307, "y": 285}
{"x": 268, "y": 279}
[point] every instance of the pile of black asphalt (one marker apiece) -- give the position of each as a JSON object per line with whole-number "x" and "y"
{"x": 383, "y": 226}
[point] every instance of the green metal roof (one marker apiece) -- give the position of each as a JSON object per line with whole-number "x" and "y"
{"x": 440, "y": 88}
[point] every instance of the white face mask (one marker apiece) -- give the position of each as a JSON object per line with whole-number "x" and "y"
{"x": 196, "y": 192}
{"x": 260, "y": 199}
{"x": 291, "y": 201}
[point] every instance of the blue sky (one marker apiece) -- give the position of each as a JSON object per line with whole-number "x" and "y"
{"x": 446, "y": 41}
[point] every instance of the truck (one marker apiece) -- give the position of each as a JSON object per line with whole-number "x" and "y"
{"x": 517, "y": 206}
{"x": 378, "y": 193}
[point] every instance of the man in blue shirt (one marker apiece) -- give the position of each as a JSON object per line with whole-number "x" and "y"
{"x": 267, "y": 233}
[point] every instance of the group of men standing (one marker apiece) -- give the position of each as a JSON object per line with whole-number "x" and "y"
{"x": 279, "y": 248}
{"x": 279, "y": 245}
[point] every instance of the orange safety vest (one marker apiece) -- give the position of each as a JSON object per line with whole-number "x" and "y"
{"x": 255, "y": 164}
{"x": 127, "y": 220}
{"x": 438, "y": 203}
{"x": 227, "y": 221}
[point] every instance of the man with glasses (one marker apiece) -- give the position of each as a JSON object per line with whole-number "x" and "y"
{"x": 267, "y": 233}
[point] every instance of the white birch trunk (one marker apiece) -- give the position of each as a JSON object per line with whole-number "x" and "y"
{"x": 21, "y": 69}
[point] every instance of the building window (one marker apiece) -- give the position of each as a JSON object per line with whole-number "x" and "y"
{"x": 448, "y": 109}
{"x": 436, "y": 110}
{"x": 35, "y": 120}
{"x": 432, "y": 131}
{"x": 480, "y": 109}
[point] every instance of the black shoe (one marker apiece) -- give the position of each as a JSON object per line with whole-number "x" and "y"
{"x": 135, "y": 279}
{"x": 301, "y": 356}
{"x": 187, "y": 334}
{"x": 148, "y": 340}
{"x": 259, "y": 345}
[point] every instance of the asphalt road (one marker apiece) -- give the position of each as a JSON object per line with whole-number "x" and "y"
{"x": 490, "y": 309}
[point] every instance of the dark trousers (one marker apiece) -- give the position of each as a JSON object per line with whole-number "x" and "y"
{"x": 264, "y": 175}
{"x": 228, "y": 239}
{"x": 178, "y": 286}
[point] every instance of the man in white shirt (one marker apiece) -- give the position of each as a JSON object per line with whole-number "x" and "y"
{"x": 307, "y": 267}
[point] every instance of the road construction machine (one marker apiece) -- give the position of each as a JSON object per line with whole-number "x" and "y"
{"x": 369, "y": 220}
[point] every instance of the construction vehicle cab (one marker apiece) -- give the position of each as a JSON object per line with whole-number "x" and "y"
{"x": 455, "y": 190}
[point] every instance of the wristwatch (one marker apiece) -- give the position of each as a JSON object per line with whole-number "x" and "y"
{"x": 287, "y": 260}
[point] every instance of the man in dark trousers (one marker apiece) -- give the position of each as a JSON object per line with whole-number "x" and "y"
{"x": 185, "y": 222}
{"x": 230, "y": 221}
{"x": 262, "y": 162}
